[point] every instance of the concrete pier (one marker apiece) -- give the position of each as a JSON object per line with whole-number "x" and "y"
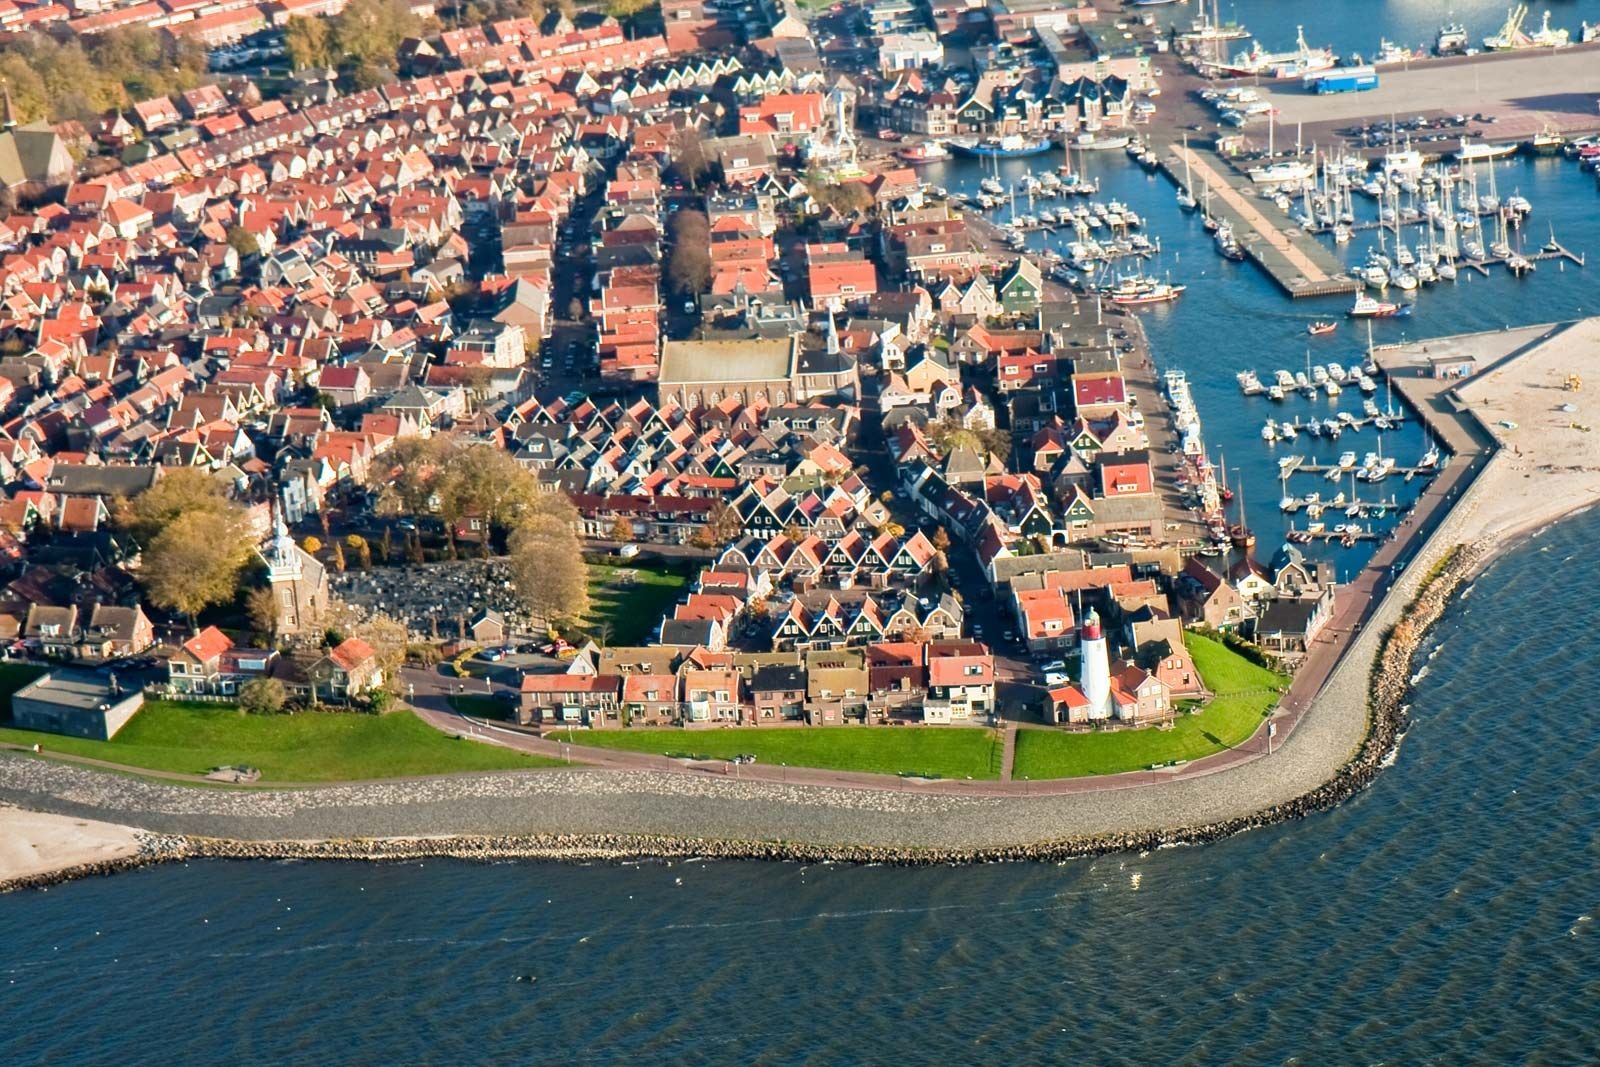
{"x": 1291, "y": 257}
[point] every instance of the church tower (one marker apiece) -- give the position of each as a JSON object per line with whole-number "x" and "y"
{"x": 299, "y": 583}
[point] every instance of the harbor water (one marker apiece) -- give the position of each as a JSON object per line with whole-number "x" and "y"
{"x": 1233, "y": 317}
{"x": 1446, "y": 915}
{"x": 1357, "y": 25}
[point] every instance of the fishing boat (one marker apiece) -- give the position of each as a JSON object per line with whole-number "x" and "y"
{"x": 1011, "y": 146}
{"x": 1513, "y": 36}
{"x": 1366, "y": 307}
{"x": 1303, "y": 60}
{"x": 1451, "y": 39}
{"x": 924, "y": 152}
{"x": 1323, "y": 326}
{"x": 1547, "y": 142}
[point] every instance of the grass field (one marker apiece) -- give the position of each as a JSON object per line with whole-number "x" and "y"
{"x": 1243, "y": 696}
{"x": 957, "y": 752}
{"x": 633, "y": 611}
{"x": 308, "y": 747}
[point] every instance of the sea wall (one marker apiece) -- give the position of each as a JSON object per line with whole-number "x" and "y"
{"x": 1389, "y": 684}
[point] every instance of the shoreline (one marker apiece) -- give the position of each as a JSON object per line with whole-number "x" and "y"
{"x": 1386, "y": 724}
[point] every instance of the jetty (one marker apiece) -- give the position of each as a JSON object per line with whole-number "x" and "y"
{"x": 1300, "y": 265}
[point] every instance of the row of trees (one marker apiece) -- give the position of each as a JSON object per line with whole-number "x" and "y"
{"x": 453, "y": 481}
{"x": 82, "y": 78}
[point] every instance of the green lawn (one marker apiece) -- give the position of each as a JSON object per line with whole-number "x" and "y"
{"x": 1242, "y": 698}
{"x": 307, "y": 747}
{"x": 634, "y": 610}
{"x": 956, "y": 752}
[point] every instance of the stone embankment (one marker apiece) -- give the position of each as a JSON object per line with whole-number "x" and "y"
{"x": 1388, "y": 687}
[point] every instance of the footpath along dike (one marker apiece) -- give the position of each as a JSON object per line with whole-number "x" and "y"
{"x": 1388, "y": 687}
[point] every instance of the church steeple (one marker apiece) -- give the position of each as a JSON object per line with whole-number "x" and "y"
{"x": 283, "y": 558}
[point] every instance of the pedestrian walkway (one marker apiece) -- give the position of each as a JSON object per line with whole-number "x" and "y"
{"x": 1008, "y": 754}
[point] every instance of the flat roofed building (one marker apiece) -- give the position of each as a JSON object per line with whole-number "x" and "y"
{"x": 76, "y": 704}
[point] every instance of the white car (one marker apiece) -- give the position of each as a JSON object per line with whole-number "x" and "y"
{"x": 1056, "y": 678}
{"x": 628, "y": 551}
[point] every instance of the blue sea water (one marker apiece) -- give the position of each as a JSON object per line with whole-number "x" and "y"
{"x": 1446, "y": 915}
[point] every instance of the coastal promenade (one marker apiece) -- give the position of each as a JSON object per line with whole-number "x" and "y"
{"x": 1506, "y": 481}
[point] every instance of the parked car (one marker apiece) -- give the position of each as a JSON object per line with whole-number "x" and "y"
{"x": 628, "y": 551}
{"x": 1055, "y": 678}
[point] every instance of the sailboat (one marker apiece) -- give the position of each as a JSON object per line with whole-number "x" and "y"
{"x": 1186, "y": 199}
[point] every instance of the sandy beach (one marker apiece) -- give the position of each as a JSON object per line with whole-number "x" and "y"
{"x": 33, "y": 842}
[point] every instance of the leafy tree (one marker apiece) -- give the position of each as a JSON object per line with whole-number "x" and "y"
{"x": 262, "y": 696}
{"x": 243, "y": 241}
{"x": 262, "y": 610}
{"x": 338, "y": 557}
{"x": 546, "y": 561}
{"x": 181, "y": 491}
{"x": 622, "y": 10}
{"x": 312, "y": 545}
{"x": 622, "y": 530}
{"x": 690, "y": 159}
{"x": 386, "y": 545}
{"x": 368, "y": 34}
{"x": 196, "y": 561}
{"x": 363, "y": 551}
{"x": 309, "y": 42}
{"x": 844, "y": 197}
{"x": 689, "y": 267}
{"x": 453, "y": 480}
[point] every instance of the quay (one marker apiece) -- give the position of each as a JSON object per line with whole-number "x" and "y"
{"x": 1522, "y": 91}
{"x": 1290, "y": 256}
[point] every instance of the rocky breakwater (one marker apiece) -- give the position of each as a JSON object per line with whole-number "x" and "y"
{"x": 153, "y": 848}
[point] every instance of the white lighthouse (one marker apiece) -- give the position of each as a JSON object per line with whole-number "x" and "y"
{"x": 1095, "y": 664}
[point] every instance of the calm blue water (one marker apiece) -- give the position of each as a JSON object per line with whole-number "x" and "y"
{"x": 1446, "y": 915}
{"x": 1233, "y": 317}
{"x": 1356, "y": 25}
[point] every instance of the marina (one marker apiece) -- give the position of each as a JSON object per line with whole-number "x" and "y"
{"x": 1297, "y": 263}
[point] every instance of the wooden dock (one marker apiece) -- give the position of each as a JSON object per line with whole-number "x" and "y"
{"x": 1290, "y": 256}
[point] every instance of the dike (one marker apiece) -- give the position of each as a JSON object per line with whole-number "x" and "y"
{"x": 1388, "y": 687}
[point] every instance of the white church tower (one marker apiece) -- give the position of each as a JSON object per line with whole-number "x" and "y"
{"x": 1095, "y": 664}
{"x": 298, "y": 581}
